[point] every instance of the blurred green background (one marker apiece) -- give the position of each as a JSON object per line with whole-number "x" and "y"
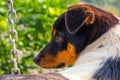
{"x": 34, "y": 25}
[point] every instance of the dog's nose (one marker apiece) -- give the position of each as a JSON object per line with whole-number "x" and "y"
{"x": 36, "y": 59}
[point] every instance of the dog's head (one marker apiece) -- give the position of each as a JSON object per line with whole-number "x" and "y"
{"x": 72, "y": 32}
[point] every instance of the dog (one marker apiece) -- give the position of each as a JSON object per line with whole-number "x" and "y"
{"x": 88, "y": 38}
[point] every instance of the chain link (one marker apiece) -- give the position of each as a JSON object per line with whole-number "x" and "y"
{"x": 14, "y": 53}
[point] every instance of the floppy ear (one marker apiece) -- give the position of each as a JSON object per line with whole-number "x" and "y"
{"x": 76, "y": 18}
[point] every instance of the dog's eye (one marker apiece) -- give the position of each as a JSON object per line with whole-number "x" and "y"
{"x": 59, "y": 38}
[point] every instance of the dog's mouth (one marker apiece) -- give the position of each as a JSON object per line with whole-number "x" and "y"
{"x": 61, "y": 65}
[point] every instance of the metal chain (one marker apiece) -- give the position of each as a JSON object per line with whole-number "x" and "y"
{"x": 14, "y": 53}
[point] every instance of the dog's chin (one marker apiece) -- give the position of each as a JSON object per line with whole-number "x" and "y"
{"x": 61, "y": 65}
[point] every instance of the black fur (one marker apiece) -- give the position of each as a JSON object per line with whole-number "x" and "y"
{"x": 109, "y": 71}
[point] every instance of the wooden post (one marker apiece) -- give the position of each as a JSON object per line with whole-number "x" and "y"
{"x": 45, "y": 76}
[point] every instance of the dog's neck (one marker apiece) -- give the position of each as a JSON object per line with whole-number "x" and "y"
{"x": 103, "y": 23}
{"x": 108, "y": 45}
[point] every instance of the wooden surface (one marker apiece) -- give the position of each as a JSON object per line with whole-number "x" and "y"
{"x": 45, "y": 76}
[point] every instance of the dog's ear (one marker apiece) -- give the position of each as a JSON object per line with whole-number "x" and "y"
{"x": 76, "y": 18}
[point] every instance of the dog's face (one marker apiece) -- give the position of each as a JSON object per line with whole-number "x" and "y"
{"x": 72, "y": 32}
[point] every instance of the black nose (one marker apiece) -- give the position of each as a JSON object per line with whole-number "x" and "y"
{"x": 36, "y": 59}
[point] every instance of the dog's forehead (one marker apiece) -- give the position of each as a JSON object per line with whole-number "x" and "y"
{"x": 59, "y": 24}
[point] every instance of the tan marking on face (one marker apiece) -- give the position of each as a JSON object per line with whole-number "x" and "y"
{"x": 54, "y": 32}
{"x": 67, "y": 57}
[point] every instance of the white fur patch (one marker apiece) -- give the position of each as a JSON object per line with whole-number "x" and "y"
{"x": 89, "y": 60}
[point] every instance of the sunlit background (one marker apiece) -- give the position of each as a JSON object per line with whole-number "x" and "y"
{"x": 34, "y": 25}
